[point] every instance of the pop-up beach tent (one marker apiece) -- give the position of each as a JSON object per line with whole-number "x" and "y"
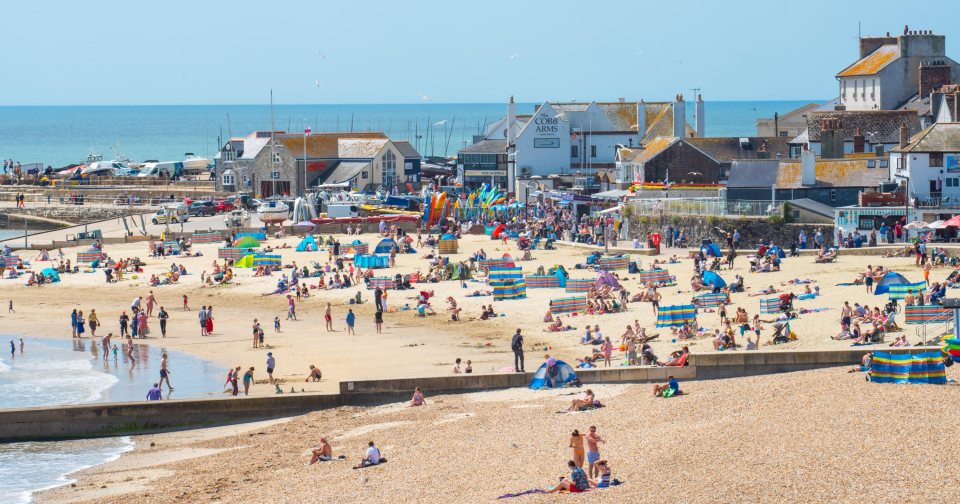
{"x": 892, "y": 278}
{"x": 246, "y": 242}
{"x": 308, "y": 240}
{"x": 385, "y": 246}
{"x": 710, "y": 250}
{"x": 51, "y": 274}
{"x": 244, "y": 262}
{"x": 564, "y": 375}
{"x": 713, "y": 279}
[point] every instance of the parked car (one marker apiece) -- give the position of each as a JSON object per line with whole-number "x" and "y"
{"x": 171, "y": 215}
{"x": 223, "y": 206}
{"x": 201, "y": 208}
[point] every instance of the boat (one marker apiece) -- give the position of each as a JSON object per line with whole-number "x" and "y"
{"x": 272, "y": 212}
{"x": 237, "y": 219}
{"x": 373, "y": 219}
{"x": 193, "y": 164}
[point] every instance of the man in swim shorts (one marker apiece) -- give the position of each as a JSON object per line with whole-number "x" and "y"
{"x": 593, "y": 451}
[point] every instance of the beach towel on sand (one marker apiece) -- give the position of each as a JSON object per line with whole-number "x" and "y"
{"x": 525, "y": 492}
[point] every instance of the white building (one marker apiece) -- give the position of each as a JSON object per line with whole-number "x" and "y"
{"x": 570, "y": 137}
{"x": 929, "y": 163}
{"x": 893, "y": 70}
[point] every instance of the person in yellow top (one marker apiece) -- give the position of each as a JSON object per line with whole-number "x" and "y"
{"x": 93, "y": 322}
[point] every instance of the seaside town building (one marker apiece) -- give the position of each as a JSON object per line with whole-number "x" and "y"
{"x": 928, "y": 164}
{"x": 360, "y": 160}
{"x": 788, "y": 125}
{"x": 569, "y": 137}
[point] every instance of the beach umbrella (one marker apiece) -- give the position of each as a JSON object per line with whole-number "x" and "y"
{"x": 937, "y": 224}
{"x": 305, "y": 224}
{"x": 952, "y": 222}
{"x": 246, "y": 242}
{"x": 916, "y": 225}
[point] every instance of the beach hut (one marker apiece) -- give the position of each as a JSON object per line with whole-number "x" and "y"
{"x": 568, "y": 304}
{"x": 563, "y": 376}
{"x": 231, "y": 253}
{"x": 900, "y": 291}
{"x": 926, "y": 367}
{"x": 926, "y": 314}
{"x": 246, "y": 242}
{"x": 371, "y": 261}
{"x": 308, "y": 244}
{"x": 891, "y": 278}
{"x": 677, "y": 315}
{"x": 206, "y": 237}
{"x": 385, "y": 246}
{"x": 356, "y": 247}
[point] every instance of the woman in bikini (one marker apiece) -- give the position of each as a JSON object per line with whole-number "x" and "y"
{"x": 576, "y": 442}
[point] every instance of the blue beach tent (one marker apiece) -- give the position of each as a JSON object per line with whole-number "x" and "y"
{"x": 51, "y": 274}
{"x": 711, "y": 250}
{"x": 565, "y": 375}
{"x": 308, "y": 240}
{"x": 713, "y": 279}
{"x": 892, "y": 278}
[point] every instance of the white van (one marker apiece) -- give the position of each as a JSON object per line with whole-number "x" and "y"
{"x": 167, "y": 168}
{"x": 171, "y": 215}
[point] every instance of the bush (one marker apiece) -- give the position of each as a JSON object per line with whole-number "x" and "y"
{"x": 777, "y": 220}
{"x": 713, "y": 220}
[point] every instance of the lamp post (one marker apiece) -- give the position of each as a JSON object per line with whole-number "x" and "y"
{"x": 306, "y": 133}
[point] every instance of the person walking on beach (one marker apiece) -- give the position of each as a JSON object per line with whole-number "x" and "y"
{"x": 165, "y": 372}
{"x": 80, "y": 324}
{"x": 247, "y": 381}
{"x": 13, "y": 349}
{"x": 163, "y": 316}
{"x": 21, "y": 347}
{"x": 10, "y": 307}
{"x": 209, "y": 320}
{"x": 235, "y": 380}
{"x": 154, "y": 393}
{"x": 186, "y": 304}
{"x": 378, "y": 321}
{"x": 93, "y": 322}
{"x": 351, "y": 318}
{"x": 202, "y": 317}
{"x": 328, "y": 318}
{"x": 151, "y": 300}
{"x": 106, "y": 345}
{"x": 271, "y": 364}
{"x": 73, "y": 323}
{"x": 142, "y": 323}
{"x": 378, "y": 298}
{"x": 276, "y": 324}
{"x": 517, "y": 346}
{"x": 135, "y": 304}
{"x": 129, "y": 351}
{"x": 124, "y": 321}
{"x": 291, "y": 308}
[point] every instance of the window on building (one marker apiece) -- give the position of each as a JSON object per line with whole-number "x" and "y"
{"x": 593, "y": 151}
{"x": 389, "y": 168}
{"x": 364, "y": 175}
{"x": 854, "y": 90}
{"x": 276, "y": 157}
{"x": 574, "y": 151}
{"x": 899, "y": 163}
{"x": 936, "y": 160}
{"x": 229, "y": 154}
{"x": 784, "y": 133}
{"x": 873, "y": 88}
{"x": 229, "y": 179}
{"x": 950, "y": 182}
{"x": 843, "y": 90}
{"x": 833, "y": 195}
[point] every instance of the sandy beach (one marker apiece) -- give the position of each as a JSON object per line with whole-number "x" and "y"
{"x": 817, "y": 436}
{"x": 410, "y": 345}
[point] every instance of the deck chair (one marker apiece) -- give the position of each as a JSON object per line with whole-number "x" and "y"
{"x": 682, "y": 361}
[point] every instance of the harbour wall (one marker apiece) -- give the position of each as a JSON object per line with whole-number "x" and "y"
{"x": 111, "y": 419}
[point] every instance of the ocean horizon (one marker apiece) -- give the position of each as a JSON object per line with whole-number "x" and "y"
{"x": 59, "y": 135}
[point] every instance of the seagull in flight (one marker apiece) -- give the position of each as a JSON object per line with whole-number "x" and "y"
{"x": 319, "y": 83}
{"x": 320, "y": 53}
{"x": 514, "y": 56}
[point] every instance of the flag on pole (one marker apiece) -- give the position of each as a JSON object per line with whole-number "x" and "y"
{"x": 307, "y": 131}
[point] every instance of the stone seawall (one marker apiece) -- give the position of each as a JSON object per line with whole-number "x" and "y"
{"x": 68, "y": 214}
{"x": 752, "y": 230}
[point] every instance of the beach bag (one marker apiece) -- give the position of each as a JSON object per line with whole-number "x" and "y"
{"x": 668, "y": 392}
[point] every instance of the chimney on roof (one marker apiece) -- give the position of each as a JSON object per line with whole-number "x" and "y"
{"x": 904, "y": 138}
{"x": 641, "y": 120}
{"x": 511, "y": 118}
{"x": 679, "y": 117}
{"x": 858, "y": 141}
{"x": 698, "y": 119}
{"x": 906, "y": 29}
{"x": 621, "y": 100}
{"x": 831, "y": 139}
{"x": 808, "y": 167}
{"x": 933, "y": 74}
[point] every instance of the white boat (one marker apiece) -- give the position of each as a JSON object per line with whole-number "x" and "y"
{"x": 193, "y": 164}
{"x": 272, "y": 212}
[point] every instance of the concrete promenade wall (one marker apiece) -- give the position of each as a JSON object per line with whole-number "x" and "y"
{"x": 97, "y": 420}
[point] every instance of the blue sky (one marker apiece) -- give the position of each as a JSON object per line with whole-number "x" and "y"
{"x": 380, "y": 51}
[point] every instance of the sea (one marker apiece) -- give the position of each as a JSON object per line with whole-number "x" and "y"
{"x": 61, "y": 372}
{"x": 60, "y": 135}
